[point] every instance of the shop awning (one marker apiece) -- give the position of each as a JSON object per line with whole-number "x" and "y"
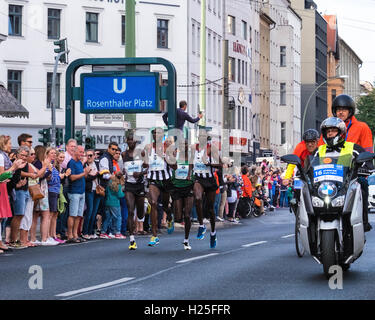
{"x": 9, "y": 106}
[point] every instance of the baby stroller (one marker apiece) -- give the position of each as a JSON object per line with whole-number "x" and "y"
{"x": 255, "y": 206}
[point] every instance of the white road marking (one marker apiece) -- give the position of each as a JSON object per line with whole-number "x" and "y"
{"x": 253, "y": 244}
{"x": 103, "y": 285}
{"x": 197, "y": 258}
{"x": 288, "y": 236}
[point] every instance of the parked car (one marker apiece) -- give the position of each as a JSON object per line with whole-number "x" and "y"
{"x": 371, "y": 193}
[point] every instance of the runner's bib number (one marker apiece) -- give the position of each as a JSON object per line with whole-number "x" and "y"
{"x": 182, "y": 172}
{"x": 133, "y": 166}
{"x": 157, "y": 163}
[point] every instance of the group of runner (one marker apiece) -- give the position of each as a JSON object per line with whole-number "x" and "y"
{"x": 171, "y": 170}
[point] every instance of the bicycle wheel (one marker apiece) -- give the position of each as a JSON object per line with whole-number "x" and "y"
{"x": 299, "y": 246}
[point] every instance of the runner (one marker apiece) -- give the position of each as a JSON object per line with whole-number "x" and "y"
{"x": 182, "y": 195}
{"x": 159, "y": 181}
{"x": 203, "y": 156}
{"x": 134, "y": 186}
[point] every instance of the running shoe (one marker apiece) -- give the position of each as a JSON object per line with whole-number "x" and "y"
{"x": 119, "y": 236}
{"x": 104, "y": 236}
{"x": 132, "y": 245}
{"x": 170, "y": 225}
{"x": 201, "y": 232}
{"x": 153, "y": 241}
{"x": 213, "y": 241}
{"x": 187, "y": 246}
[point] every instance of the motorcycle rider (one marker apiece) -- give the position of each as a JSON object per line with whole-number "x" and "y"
{"x": 357, "y": 132}
{"x": 334, "y": 132}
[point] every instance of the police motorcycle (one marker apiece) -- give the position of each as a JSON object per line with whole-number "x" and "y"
{"x": 330, "y": 209}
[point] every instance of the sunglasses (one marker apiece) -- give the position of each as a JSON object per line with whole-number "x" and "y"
{"x": 32, "y": 154}
{"x": 29, "y": 141}
{"x": 90, "y": 155}
{"x": 114, "y": 149}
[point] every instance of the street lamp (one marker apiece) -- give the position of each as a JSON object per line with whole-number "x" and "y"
{"x": 316, "y": 89}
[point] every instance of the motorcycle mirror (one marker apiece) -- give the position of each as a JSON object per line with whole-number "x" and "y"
{"x": 291, "y": 159}
{"x": 364, "y": 157}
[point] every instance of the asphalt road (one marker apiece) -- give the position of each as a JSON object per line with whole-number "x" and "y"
{"x": 253, "y": 260}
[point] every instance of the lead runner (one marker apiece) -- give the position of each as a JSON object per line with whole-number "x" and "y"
{"x": 205, "y": 158}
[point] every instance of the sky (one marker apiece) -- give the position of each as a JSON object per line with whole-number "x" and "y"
{"x": 356, "y": 25}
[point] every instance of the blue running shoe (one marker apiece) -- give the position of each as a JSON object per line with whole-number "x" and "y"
{"x": 213, "y": 241}
{"x": 170, "y": 227}
{"x": 153, "y": 241}
{"x": 201, "y": 232}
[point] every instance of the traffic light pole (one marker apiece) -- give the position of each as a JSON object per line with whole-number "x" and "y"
{"x": 53, "y": 99}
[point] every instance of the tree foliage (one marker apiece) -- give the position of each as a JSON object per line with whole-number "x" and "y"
{"x": 366, "y": 110}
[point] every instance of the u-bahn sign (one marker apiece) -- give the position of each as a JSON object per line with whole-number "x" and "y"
{"x": 136, "y": 92}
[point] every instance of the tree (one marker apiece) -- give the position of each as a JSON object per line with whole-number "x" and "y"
{"x": 366, "y": 110}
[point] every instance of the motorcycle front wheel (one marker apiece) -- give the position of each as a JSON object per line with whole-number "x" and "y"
{"x": 328, "y": 249}
{"x": 297, "y": 238}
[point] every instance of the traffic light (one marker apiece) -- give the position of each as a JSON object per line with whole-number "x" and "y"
{"x": 62, "y": 47}
{"x": 59, "y": 137}
{"x": 46, "y": 136}
{"x": 78, "y": 136}
{"x": 90, "y": 143}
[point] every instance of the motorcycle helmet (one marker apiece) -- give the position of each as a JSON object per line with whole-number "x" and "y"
{"x": 310, "y": 135}
{"x": 343, "y": 101}
{"x": 337, "y": 123}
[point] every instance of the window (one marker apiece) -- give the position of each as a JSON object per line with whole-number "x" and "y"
{"x": 239, "y": 117}
{"x": 214, "y": 50}
{"x": 283, "y": 93}
{"x": 243, "y": 72}
{"x": 231, "y": 25}
{"x": 283, "y": 132}
{"x": 199, "y": 40}
{"x": 162, "y": 33}
{"x": 92, "y": 27}
{"x": 239, "y": 71}
{"x": 15, "y": 83}
{"x": 282, "y": 56}
{"x": 123, "y": 30}
{"x": 193, "y": 37}
{"x": 219, "y": 51}
{"x": 333, "y": 94}
{"x": 15, "y": 20}
{"x": 54, "y": 18}
{"x": 209, "y": 47}
{"x": 250, "y": 34}
{"x": 244, "y": 30}
{"x": 243, "y": 118}
{"x": 232, "y": 69}
{"x": 49, "y": 89}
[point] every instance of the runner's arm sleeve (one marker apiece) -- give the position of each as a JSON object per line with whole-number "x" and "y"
{"x": 289, "y": 171}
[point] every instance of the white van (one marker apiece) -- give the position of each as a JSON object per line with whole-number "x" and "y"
{"x": 371, "y": 193}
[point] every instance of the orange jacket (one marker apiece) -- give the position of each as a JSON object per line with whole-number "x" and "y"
{"x": 247, "y": 190}
{"x": 301, "y": 152}
{"x": 358, "y": 132}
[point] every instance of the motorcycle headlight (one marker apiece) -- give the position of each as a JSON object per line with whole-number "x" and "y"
{"x": 316, "y": 202}
{"x": 338, "y": 202}
{"x": 327, "y": 189}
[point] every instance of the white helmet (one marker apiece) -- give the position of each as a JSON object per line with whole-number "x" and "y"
{"x": 337, "y": 123}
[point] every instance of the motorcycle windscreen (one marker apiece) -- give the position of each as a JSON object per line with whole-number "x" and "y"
{"x": 330, "y": 168}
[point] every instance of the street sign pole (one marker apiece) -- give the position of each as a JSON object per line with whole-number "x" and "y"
{"x": 54, "y": 99}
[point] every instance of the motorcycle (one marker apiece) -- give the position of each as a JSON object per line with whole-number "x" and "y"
{"x": 330, "y": 209}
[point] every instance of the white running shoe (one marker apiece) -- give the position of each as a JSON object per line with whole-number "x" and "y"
{"x": 49, "y": 242}
{"x": 187, "y": 246}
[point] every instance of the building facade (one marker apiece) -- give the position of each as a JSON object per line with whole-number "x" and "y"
{"x": 314, "y": 64}
{"x": 349, "y": 65}
{"x": 97, "y": 29}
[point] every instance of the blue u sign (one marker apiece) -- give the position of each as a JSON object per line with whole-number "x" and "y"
{"x": 120, "y": 93}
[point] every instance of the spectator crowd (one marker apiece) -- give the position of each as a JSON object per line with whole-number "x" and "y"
{"x": 50, "y": 196}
